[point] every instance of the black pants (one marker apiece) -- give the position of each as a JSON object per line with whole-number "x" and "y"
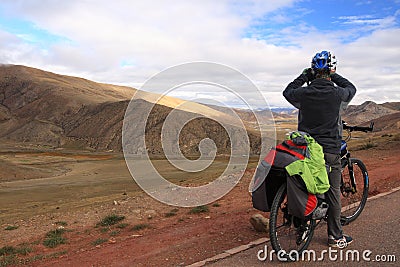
{"x": 332, "y": 196}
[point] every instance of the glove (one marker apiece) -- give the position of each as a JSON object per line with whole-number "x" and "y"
{"x": 309, "y": 74}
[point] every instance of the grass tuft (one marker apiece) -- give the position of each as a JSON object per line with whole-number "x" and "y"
{"x": 141, "y": 226}
{"x": 62, "y": 223}
{"x": 54, "y": 238}
{"x": 99, "y": 241}
{"x": 24, "y": 250}
{"x": 115, "y": 233}
{"x": 8, "y": 260}
{"x": 199, "y": 209}
{"x": 171, "y": 213}
{"x": 11, "y": 227}
{"x": 368, "y": 145}
{"x": 111, "y": 220}
{"x": 104, "y": 230}
{"x": 7, "y": 250}
{"x": 122, "y": 225}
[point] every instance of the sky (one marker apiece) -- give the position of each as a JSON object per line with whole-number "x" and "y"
{"x": 270, "y": 42}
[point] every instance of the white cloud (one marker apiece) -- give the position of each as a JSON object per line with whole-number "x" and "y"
{"x": 126, "y": 42}
{"x": 368, "y": 23}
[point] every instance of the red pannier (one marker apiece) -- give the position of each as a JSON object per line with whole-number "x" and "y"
{"x": 271, "y": 174}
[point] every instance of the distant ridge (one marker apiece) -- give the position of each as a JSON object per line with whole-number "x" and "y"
{"x": 45, "y": 109}
{"x": 51, "y": 110}
{"x": 367, "y": 111}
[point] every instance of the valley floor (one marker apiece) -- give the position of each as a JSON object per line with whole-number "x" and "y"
{"x": 89, "y": 187}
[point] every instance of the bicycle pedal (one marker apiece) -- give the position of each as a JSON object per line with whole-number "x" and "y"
{"x": 302, "y": 234}
{"x": 344, "y": 221}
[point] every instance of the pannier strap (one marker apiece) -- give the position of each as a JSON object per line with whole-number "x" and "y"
{"x": 294, "y": 152}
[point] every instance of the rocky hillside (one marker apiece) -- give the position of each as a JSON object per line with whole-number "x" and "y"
{"x": 47, "y": 109}
{"x": 386, "y": 116}
{"x": 368, "y": 111}
{"x": 44, "y": 109}
{"x": 392, "y": 105}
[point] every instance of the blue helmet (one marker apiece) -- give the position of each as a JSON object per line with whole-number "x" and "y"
{"x": 324, "y": 61}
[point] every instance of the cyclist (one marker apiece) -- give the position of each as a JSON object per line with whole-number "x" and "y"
{"x": 319, "y": 105}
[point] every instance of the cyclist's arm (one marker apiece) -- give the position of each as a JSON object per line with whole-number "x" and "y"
{"x": 346, "y": 89}
{"x": 293, "y": 91}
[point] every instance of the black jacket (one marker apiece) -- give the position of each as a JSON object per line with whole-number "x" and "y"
{"x": 319, "y": 107}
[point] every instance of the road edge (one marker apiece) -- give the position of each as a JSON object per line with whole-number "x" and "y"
{"x": 230, "y": 252}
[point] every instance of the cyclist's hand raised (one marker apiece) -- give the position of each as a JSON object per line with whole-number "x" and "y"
{"x": 309, "y": 73}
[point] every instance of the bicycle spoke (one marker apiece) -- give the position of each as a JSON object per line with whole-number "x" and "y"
{"x": 353, "y": 200}
{"x": 288, "y": 233}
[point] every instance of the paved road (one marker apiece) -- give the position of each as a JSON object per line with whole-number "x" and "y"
{"x": 377, "y": 229}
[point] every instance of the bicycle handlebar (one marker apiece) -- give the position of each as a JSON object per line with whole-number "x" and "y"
{"x": 358, "y": 128}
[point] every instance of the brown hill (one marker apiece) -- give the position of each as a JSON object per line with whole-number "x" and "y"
{"x": 392, "y": 105}
{"x": 47, "y": 109}
{"x": 38, "y": 106}
{"x": 356, "y": 114}
{"x": 388, "y": 123}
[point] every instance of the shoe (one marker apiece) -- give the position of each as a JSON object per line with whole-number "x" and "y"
{"x": 342, "y": 242}
{"x": 302, "y": 233}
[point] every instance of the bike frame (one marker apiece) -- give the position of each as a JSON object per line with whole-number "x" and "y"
{"x": 346, "y": 160}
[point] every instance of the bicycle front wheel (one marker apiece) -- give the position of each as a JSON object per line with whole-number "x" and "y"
{"x": 354, "y": 189}
{"x": 289, "y": 235}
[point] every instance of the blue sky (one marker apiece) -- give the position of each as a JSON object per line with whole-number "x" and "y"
{"x": 28, "y": 32}
{"x": 357, "y": 18}
{"x": 126, "y": 42}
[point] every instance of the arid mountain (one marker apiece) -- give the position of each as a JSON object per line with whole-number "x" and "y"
{"x": 387, "y": 123}
{"x": 368, "y": 111}
{"x": 47, "y": 109}
{"x": 50, "y": 110}
{"x": 392, "y": 105}
{"x": 386, "y": 116}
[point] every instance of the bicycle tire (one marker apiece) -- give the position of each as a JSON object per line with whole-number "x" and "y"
{"x": 353, "y": 203}
{"x": 285, "y": 251}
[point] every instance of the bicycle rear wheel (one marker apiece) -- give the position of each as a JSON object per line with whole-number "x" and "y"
{"x": 289, "y": 235}
{"x": 354, "y": 191}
